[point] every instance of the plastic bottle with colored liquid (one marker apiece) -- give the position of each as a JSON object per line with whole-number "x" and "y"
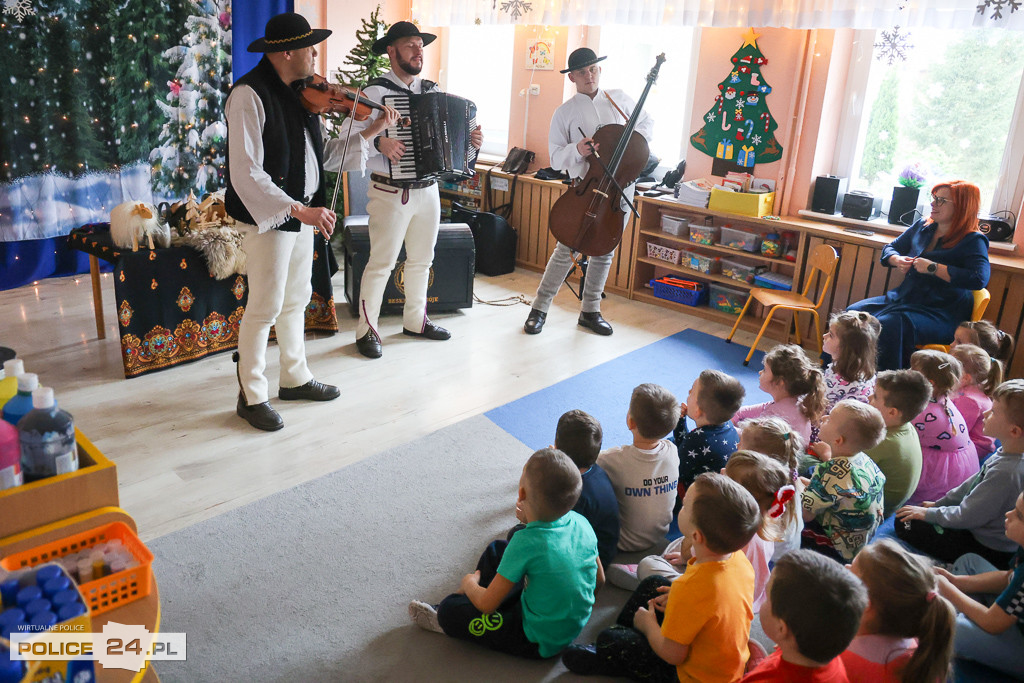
{"x": 10, "y": 456}
{"x": 47, "y": 438}
{"x": 9, "y": 379}
{"x": 21, "y": 403}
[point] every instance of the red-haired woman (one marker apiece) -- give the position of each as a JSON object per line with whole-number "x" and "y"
{"x": 944, "y": 258}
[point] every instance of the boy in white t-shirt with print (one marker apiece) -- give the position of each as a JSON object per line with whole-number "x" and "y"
{"x": 645, "y": 474}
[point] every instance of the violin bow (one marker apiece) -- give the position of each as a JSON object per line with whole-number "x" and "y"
{"x": 608, "y": 173}
{"x": 344, "y": 152}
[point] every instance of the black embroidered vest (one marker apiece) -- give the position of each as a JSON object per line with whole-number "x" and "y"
{"x": 284, "y": 145}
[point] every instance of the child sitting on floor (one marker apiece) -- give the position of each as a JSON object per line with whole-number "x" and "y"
{"x": 578, "y": 435}
{"x": 713, "y": 399}
{"x": 852, "y": 342}
{"x": 706, "y": 614}
{"x": 796, "y": 387}
{"x": 813, "y": 610}
{"x": 645, "y": 474}
{"x": 842, "y": 504}
{"x": 906, "y": 633}
{"x": 990, "y": 632}
{"x": 900, "y": 395}
{"x": 997, "y": 344}
{"x": 530, "y": 596}
{"x": 967, "y": 519}
{"x": 973, "y": 397}
{"x": 772, "y": 488}
{"x": 774, "y": 437}
{"x": 949, "y": 457}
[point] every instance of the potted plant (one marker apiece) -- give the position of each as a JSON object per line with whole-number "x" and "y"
{"x": 905, "y": 195}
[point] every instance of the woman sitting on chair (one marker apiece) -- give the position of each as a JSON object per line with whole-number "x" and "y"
{"x": 944, "y": 258}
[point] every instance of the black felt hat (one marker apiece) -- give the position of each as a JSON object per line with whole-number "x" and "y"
{"x": 581, "y": 58}
{"x": 288, "y": 31}
{"x": 400, "y": 29}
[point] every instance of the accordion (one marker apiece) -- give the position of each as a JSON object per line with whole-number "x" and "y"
{"x": 437, "y": 141}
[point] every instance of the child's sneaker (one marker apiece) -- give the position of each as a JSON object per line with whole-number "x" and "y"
{"x": 424, "y": 616}
{"x": 623, "y": 576}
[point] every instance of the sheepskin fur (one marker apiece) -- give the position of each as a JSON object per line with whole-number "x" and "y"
{"x": 132, "y": 223}
{"x": 221, "y": 247}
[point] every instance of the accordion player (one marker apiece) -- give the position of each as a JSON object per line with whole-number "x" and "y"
{"x": 437, "y": 141}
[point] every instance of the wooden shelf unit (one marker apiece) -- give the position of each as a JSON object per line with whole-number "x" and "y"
{"x": 644, "y": 269}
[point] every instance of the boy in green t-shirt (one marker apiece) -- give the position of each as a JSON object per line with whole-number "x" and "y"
{"x": 900, "y": 396}
{"x": 531, "y": 595}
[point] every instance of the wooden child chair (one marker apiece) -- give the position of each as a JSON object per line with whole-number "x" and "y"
{"x": 981, "y": 299}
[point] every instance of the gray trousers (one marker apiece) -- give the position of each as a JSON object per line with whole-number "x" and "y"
{"x": 556, "y": 270}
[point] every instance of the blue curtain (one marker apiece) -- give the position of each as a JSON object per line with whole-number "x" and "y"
{"x": 248, "y": 21}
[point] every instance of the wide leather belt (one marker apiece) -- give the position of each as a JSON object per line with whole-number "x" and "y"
{"x": 404, "y": 184}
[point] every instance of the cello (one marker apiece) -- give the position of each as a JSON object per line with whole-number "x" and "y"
{"x": 589, "y": 218}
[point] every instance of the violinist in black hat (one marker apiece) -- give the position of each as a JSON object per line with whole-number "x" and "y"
{"x": 275, "y": 193}
{"x": 401, "y": 212}
{"x": 570, "y": 145}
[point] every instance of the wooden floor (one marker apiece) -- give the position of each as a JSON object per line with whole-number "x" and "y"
{"x": 183, "y": 455}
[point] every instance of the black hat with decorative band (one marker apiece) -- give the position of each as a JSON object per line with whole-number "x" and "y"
{"x": 288, "y": 31}
{"x": 582, "y": 58}
{"x": 400, "y": 29}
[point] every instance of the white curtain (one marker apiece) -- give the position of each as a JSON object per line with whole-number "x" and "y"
{"x": 800, "y": 14}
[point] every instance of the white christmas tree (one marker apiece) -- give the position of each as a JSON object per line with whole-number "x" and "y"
{"x": 192, "y": 153}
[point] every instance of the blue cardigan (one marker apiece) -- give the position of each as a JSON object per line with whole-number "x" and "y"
{"x": 967, "y": 262}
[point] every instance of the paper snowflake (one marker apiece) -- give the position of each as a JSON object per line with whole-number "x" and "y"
{"x": 893, "y": 46}
{"x": 516, "y": 8}
{"x": 19, "y": 8}
{"x": 998, "y": 6}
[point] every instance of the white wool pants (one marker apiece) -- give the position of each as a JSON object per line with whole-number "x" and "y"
{"x": 558, "y": 268}
{"x": 399, "y": 215}
{"x": 279, "y": 268}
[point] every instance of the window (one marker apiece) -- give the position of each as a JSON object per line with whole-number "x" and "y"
{"x": 493, "y": 44}
{"x": 631, "y": 51}
{"x": 948, "y": 107}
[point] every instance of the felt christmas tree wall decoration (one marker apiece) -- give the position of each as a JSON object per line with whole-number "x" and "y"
{"x": 739, "y": 128}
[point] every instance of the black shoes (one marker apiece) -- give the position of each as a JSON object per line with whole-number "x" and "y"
{"x": 595, "y": 323}
{"x": 260, "y": 416}
{"x": 430, "y": 331}
{"x": 581, "y": 659}
{"x": 535, "y": 321}
{"x": 369, "y": 345}
{"x": 310, "y": 391}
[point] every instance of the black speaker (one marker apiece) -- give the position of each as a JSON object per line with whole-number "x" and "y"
{"x": 861, "y": 205}
{"x": 828, "y": 194}
{"x": 903, "y": 208}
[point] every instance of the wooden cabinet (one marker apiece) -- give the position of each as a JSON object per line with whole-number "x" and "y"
{"x": 645, "y": 268}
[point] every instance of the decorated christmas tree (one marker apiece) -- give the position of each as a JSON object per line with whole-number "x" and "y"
{"x": 193, "y": 139}
{"x": 739, "y": 130}
{"x": 362, "y": 63}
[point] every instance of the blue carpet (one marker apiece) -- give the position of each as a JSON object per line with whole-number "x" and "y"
{"x": 604, "y": 391}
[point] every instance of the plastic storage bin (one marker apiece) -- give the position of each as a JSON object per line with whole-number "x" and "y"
{"x": 681, "y": 291}
{"x": 774, "y": 281}
{"x": 662, "y": 253}
{"x": 740, "y": 239}
{"x": 704, "y": 234}
{"x": 110, "y": 591}
{"x": 727, "y": 299}
{"x": 675, "y": 225}
{"x": 705, "y": 264}
{"x": 740, "y": 270}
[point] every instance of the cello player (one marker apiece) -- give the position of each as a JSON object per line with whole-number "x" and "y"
{"x": 590, "y": 108}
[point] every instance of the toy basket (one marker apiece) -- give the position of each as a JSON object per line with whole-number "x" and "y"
{"x": 108, "y": 592}
{"x": 681, "y": 291}
{"x": 662, "y": 253}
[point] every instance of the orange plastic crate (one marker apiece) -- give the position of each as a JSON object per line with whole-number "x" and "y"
{"x": 109, "y": 592}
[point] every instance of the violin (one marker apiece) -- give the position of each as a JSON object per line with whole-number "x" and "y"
{"x": 320, "y": 97}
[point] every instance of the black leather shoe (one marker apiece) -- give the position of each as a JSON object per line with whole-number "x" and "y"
{"x": 430, "y": 331}
{"x": 595, "y": 323}
{"x": 310, "y": 391}
{"x": 260, "y": 416}
{"x": 581, "y": 659}
{"x": 369, "y": 345}
{"x": 535, "y": 321}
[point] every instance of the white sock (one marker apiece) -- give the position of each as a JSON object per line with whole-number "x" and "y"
{"x": 424, "y": 616}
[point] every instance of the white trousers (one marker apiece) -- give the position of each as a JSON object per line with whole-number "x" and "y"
{"x": 279, "y": 269}
{"x": 397, "y": 216}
